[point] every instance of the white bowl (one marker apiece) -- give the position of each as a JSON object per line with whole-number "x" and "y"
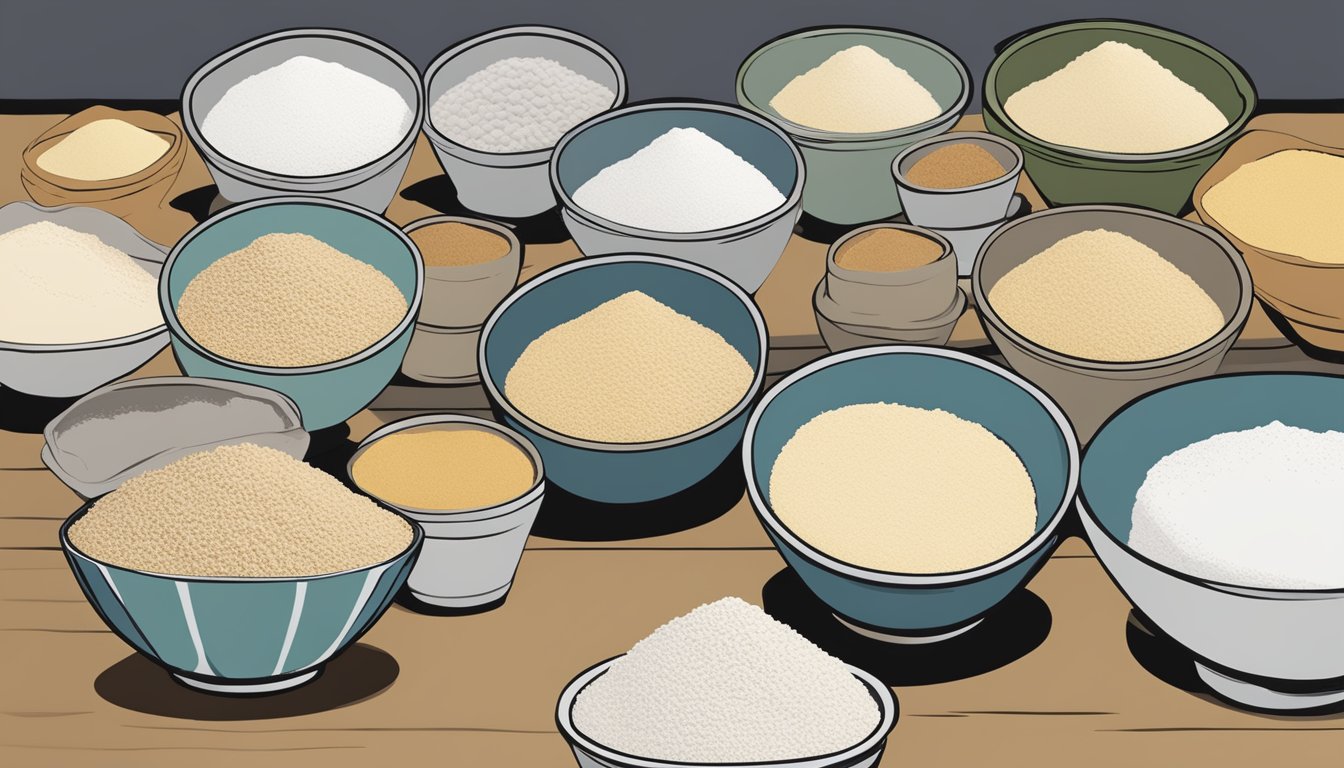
{"x": 961, "y": 207}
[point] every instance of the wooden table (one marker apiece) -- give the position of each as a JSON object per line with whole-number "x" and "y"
{"x": 1060, "y": 675}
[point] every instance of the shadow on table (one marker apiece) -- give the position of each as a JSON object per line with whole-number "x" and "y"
{"x": 138, "y": 684}
{"x": 1012, "y": 630}
{"x": 21, "y": 412}
{"x": 330, "y": 450}
{"x": 439, "y": 193}
{"x": 197, "y": 203}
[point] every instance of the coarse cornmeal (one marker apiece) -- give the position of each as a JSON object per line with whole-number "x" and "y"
{"x": 444, "y": 469}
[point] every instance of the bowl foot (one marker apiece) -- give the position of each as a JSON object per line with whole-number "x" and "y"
{"x": 270, "y": 686}
{"x": 468, "y": 601}
{"x": 1257, "y": 696}
{"x": 896, "y": 638}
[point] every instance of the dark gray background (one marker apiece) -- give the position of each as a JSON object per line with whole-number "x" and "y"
{"x": 145, "y": 49}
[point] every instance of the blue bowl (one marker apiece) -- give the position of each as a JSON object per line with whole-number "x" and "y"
{"x": 624, "y": 473}
{"x": 919, "y": 607}
{"x": 243, "y": 635}
{"x": 326, "y": 394}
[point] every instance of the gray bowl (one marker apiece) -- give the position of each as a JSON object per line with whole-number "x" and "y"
{"x": 964, "y": 207}
{"x": 372, "y": 185}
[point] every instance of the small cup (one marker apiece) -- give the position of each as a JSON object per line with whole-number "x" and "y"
{"x": 469, "y": 556}
{"x": 462, "y": 297}
{"x": 898, "y": 297}
{"x": 442, "y": 355}
{"x": 841, "y": 330}
{"x": 962, "y": 207}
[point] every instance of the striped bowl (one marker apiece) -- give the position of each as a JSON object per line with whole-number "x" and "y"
{"x": 239, "y": 635}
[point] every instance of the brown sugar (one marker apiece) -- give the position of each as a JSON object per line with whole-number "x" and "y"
{"x": 954, "y": 166}
{"x": 888, "y": 250}
{"x": 455, "y": 244}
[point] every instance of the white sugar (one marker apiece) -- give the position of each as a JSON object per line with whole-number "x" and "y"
{"x": 683, "y": 181}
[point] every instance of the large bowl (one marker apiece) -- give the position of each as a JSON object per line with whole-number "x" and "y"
{"x": 624, "y": 473}
{"x": 372, "y": 185}
{"x": 510, "y": 184}
{"x": 1277, "y": 649}
{"x": 744, "y": 252}
{"x": 916, "y": 607}
{"x": 1159, "y": 180}
{"x": 849, "y": 174}
{"x": 326, "y": 394}
{"x": 71, "y": 370}
{"x": 590, "y": 754}
{"x": 1091, "y": 390}
{"x": 239, "y": 635}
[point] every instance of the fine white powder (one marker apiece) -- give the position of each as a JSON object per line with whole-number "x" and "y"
{"x": 726, "y": 683}
{"x": 857, "y": 90}
{"x": 518, "y": 105}
{"x": 1256, "y": 508}
{"x": 683, "y": 181}
{"x": 306, "y": 117}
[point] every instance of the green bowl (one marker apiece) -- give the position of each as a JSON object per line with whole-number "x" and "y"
{"x": 849, "y": 174}
{"x": 1069, "y": 175}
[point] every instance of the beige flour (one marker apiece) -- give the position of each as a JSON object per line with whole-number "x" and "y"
{"x": 444, "y": 469}
{"x": 903, "y": 490}
{"x": 103, "y": 150}
{"x": 631, "y": 370}
{"x": 1101, "y": 295}
{"x": 1290, "y": 202}
{"x": 857, "y": 90}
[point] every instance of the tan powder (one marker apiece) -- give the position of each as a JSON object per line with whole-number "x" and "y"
{"x": 289, "y": 300}
{"x": 903, "y": 490}
{"x": 857, "y": 90}
{"x": 887, "y": 250}
{"x": 446, "y": 469}
{"x": 1101, "y": 295}
{"x": 1290, "y": 202}
{"x": 631, "y": 370}
{"x": 954, "y": 166}
{"x": 103, "y": 150}
{"x": 239, "y": 511}
{"x": 454, "y": 244}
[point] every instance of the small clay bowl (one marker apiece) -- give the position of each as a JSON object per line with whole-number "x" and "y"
{"x": 893, "y": 298}
{"x": 462, "y": 297}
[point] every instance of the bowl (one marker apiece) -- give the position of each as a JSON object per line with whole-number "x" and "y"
{"x": 445, "y": 356}
{"x": 961, "y": 207}
{"x": 892, "y": 298}
{"x": 329, "y": 393}
{"x": 1091, "y": 390}
{"x": 1271, "y": 649}
{"x": 590, "y": 754}
{"x": 238, "y": 635}
{"x": 470, "y": 556}
{"x": 510, "y": 184}
{"x": 370, "y": 186}
{"x": 624, "y": 473}
{"x": 840, "y": 332}
{"x": 848, "y": 174}
{"x": 916, "y": 608}
{"x": 1067, "y": 175}
{"x": 744, "y": 252}
{"x": 71, "y": 370}
{"x": 462, "y": 296}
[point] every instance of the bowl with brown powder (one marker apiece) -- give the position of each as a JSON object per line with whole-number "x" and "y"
{"x": 957, "y": 180}
{"x": 891, "y": 274}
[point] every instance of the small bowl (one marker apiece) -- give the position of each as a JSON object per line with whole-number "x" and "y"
{"x": 961, "y": 207}
{"x": 967, "y": 241}
{"x": 895, "y": 298}
{"x": 461, "y": 297}
{"x": 590, "y": 754}
{"x": 745, "y": 252}
{"x": 510, "y": 184}
{"x": 71, "y": 370}
{"x": 470, "y": 555}
{"x": 624, "y": 473}
{"x": 839, "y": 332}
{"x": 1266, "y": 649}
{"x": 370, "y": 186}
{"x": 445, "y": 356}
{"x": 848, "y": 174}
{"x": 329, "y": 393}
{"x": 916, "y": 608}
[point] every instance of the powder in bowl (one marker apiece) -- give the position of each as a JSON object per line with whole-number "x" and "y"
{"x": 103, "y": 150}
{"x": 887, "y": 250}
{"x": 443, "y": 468}
{"x": 857, "y": 90}
{"x": 1289, "y": 202}
{"x": 955, "y": 166}
{"x": 457, "y": 244}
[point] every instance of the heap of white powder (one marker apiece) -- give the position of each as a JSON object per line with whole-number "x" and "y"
{"x": 683, "y": 181}
{"x": 518, "y": 105}
{"x": 726, "y": 683}
{"x": 1256, "y": 508}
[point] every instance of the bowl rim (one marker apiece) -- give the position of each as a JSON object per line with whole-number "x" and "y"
{"x": 958, "y": 106}
{"x": 958, "y": 137}
{"x": 888, "y": 714}
{"x": 1039, "y": 539}
{"x": 1230, "y": 328}
{"x": 1085, "y": 507}
{"x": 1241, "y": 79}
{"x": 524, "y": 157}
{"x": 214, "y": 156}
{"x": 791, "y": 200}
{"x": 178, "y": 332}
{"x": 596, "y": 262}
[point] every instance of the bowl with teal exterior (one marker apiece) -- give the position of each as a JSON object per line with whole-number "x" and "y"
{"x": 903, "y": 607}
{"x": 239, "y": 635}
{"x": 329, "y": 393}
{"x": 624, "y": 473}
{"x": 849, "y": 174}
{"x": 1262, "y": 649}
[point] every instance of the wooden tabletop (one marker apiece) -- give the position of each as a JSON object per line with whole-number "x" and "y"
{"x": 1059, "y": 675}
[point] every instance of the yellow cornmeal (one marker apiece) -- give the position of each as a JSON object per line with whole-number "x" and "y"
{"x": 1291, "y": 202}
{"x": 444, "y": 469}
{"x": 103, "y": 150}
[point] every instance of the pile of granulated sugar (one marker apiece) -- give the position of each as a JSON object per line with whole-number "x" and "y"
{"x": 857, "y": 90}
{"x": 1255, "y": 508}
{"x": 631, "y": 370}
{"x": 726, "y": 683}
{"x": 306, "y": 117}
{"x": 518, "y": 105}
{"x": 1115, "y": 98}
{"x": 683, "y": 181}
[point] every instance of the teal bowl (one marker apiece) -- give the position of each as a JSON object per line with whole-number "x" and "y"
{"x": 905, "y": 607}
{"x": 326, "y": 394}
{"x": 244, "y": 635}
